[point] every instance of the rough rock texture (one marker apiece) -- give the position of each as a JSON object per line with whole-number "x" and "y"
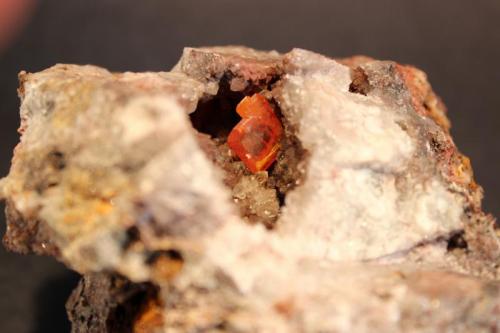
{"x": 374, "y": 221}
{"x": 107, "y": 303}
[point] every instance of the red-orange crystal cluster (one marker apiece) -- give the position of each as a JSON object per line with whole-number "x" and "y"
{"x": 255, "y": 139}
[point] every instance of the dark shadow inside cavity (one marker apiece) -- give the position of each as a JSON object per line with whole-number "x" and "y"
{"x": 360, "y": 83}
{"x": 171, "y": 254}
{"x": 109, "y": 303}
{"x": 213, "y": 120}
{"x": 457, "y": 241}
{"x": 137, "y": 296}
{"x": 217, "y": 116}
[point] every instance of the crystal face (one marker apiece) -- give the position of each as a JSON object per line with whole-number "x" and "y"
{"x": 255, "y": 139}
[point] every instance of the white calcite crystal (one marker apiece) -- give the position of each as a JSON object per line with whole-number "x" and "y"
{"x": 358, "y": 150}
{"x": 369, "y": 220}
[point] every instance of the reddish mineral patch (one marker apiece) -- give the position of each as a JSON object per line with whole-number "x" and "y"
{"x": 255, "y": 139}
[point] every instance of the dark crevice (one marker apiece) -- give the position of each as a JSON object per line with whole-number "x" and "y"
{"x": 452, "y": 240}
{"x": 57, "y": 159}
{"x": 457, "y": 241}
{"x": 111, "y": 303}
{"x": 132, "y": 236}
{"x": 216, "y": 116}
{"x": 258, "y": 196}
{"x": 123, "y": 316}
{"x": 360, "y": 83}
{"x": 171, "y": 254}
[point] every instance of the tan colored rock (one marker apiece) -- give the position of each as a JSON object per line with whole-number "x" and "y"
{"x": 370, "y": 220}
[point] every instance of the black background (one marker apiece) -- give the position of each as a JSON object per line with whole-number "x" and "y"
{"x": 455, "y": 41}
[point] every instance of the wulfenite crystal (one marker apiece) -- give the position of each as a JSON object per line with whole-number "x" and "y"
{"x": 255, "y": 139}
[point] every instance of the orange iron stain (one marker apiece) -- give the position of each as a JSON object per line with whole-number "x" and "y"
{"x": 255, "y": 139}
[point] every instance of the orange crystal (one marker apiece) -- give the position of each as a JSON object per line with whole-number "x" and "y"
{"x": 255, "y": 139}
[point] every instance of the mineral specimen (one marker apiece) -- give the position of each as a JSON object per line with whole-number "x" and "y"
{"x": 368, "y": 220}
{"x": 256, "y": 138}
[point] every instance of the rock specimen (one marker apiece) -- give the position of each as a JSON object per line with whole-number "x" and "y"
{"x": 368, "y": 220}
